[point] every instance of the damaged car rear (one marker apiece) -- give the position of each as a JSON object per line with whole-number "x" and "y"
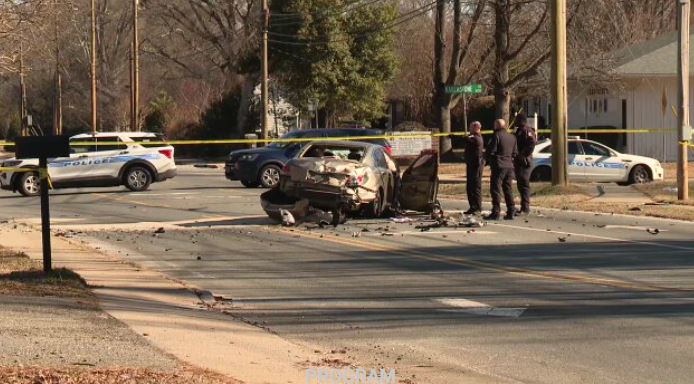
{"x": 348, "y": 178}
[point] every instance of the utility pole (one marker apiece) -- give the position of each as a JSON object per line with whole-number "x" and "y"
{"x": 93, "y": 67}
{"x": 264, "y": 84}
{"x": 58, "y": 98}
{"x": 23, "y": 94}
{"x": 559, "y": 94}
{"x": 135, "y": 77}
{"x": 685, "y": 130}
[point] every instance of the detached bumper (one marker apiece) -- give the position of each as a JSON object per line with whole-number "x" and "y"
{"x": 328, "y": 197}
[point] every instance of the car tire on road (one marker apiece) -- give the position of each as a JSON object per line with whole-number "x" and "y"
{"x": 29, "y": 184}
{"x": 640, "y": 175}
{"x": 269, "y": 176}
{"x": 137, "y": 179}
{"x": 250, "y": 184}
{"x": 375, "y": 209}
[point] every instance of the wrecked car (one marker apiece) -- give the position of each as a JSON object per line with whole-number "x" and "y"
{"x": 348, "y": 178}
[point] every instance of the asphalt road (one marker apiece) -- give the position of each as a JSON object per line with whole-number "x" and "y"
{"x": 559, "y": 297}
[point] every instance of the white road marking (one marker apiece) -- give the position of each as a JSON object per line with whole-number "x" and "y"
{"x": 477, "y": 308}
{"x": 140, "y": 194}
{"x": 649, "y": 243}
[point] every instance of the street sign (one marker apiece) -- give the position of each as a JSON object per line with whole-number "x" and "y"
{"x": 43, "y": 147}
{"x": 470, "y": 88}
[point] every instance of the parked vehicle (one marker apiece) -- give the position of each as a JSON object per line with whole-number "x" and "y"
{"x": 108, "y": 159}
{"x": 590, "y": 161}
{"x": 351, "y": 177}
{"x": 261, "y": 166}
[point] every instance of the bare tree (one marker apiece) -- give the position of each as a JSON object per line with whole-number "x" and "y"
{"x": 463, "y": 65}
{"x": 200, "y": 36}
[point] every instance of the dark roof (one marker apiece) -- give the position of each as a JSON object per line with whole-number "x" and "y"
{"x": 656, "y": 57}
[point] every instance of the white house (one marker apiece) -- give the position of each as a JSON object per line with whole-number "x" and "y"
{"x": 645, "y": 99}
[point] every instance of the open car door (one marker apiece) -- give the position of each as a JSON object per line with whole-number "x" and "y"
{"x": 420, "y": 183}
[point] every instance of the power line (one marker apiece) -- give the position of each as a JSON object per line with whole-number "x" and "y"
{"x": 398, "y": 21}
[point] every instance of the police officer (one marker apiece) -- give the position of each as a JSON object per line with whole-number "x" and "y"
{"x": 526, "y": 139}
{"x": 474, "y": 161}
{"x": 501, "y": 151}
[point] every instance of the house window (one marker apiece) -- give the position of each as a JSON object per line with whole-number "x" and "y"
{"x": 604, "y": 105}
{"x": 595, "y": 106}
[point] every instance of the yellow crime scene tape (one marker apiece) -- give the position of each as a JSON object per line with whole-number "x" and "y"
{"x": 43, "y": 173}
{"x": 422, "y": 135}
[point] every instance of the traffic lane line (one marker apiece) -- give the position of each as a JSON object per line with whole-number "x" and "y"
{"x": 596, "y": 237}
{"x": 431, "y": 255}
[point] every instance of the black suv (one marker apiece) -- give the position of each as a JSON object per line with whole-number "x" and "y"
{"x": 261, "y": 166}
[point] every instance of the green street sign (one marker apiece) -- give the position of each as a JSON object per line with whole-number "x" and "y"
{"x": 470, "y": 88}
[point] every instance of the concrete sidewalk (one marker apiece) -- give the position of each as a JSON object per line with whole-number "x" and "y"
{"x": 170, "y": 315}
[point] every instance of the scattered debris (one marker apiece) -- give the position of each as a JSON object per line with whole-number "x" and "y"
{"x": 402, "y": 220}
{"x": 635, "y": 209}
{"x": 287, "y": 218}
{"x": 562, "y": 239}
{"x": 356, "y": 234}
{"x": 653, "y": 231}
{"x": 160, "y": 230}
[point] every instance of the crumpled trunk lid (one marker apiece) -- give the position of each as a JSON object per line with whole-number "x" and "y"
{"x": 332, "y": 172}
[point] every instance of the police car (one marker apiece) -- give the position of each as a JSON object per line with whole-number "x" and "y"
{"x": 100, "y": 160}
{"x": 590, "y": 161}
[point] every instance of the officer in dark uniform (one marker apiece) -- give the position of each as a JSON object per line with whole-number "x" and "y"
{"x": 526, "y": 138}
{"x": 501, "y": 151}
{"x": 474, "y": 161}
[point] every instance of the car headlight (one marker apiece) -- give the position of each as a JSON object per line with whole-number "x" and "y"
{"x": 249, "y": 157}
{"x": 10, "y": 163}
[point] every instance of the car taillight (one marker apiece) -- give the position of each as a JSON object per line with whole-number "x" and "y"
{"x": 285, "y": 169}
{"x": 167, "y": 152}
{"x": 355, "y": 181}
{"x": 389, "y": 150}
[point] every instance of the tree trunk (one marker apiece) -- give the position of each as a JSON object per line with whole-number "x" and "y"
{"x": 502, "y": 97}
{"x": 442, "y": 104}
{"x": 445, "y": 145}
{"x": 502, "y": 102}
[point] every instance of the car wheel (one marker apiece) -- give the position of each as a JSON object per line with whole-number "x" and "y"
{"x": 137, "y": 179}
{"x": 339, "y": 216}
{"x": 250, "y": 184}
{"x": 541, "y": 174}
{"x": 375, "y": 209}
{"x": 29, "y": 184}
{"x": 269, "y": 176}
{"x": 640, "y": 175}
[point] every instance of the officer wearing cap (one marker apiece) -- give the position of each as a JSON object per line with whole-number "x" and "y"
{"x": 526, "y": 138}
{"x": 500, "y": 152}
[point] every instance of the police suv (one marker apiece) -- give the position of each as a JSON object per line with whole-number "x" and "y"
{"x": 590, "y": 161}
{"x": 100, "y": 160}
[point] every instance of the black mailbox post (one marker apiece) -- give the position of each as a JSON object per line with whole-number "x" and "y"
{"x": 43, "y": 148}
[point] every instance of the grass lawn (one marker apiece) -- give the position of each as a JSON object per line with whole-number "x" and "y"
{"x": 22, "y": 276}
{"x": 35, "y": 375}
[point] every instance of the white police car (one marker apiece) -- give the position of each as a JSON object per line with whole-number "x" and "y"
{"x": 589, "y": 161}
{"x": 105, "y": 160}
